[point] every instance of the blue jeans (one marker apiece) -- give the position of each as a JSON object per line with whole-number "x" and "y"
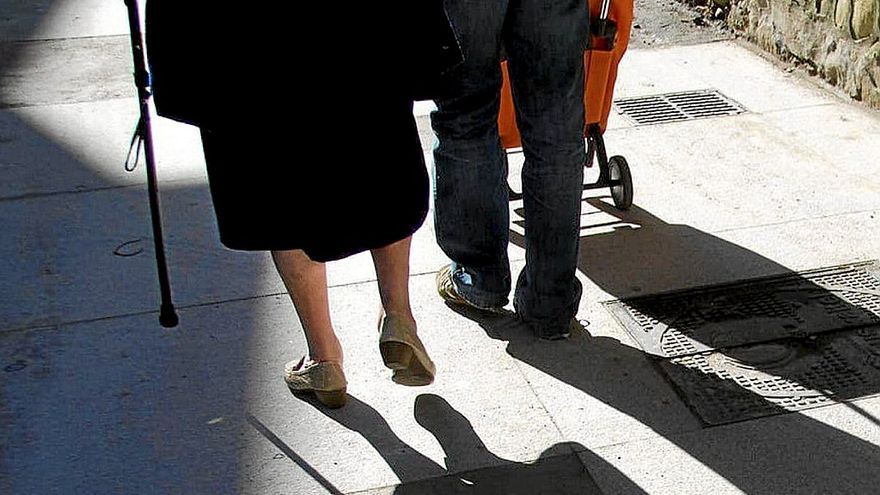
{"x": 544, "y": 41}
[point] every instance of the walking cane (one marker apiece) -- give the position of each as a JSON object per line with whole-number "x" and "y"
{"x": 143, "y": 134}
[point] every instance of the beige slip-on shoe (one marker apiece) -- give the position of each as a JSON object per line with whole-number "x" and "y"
{"x": 325, "y": 379}
{"x": 403, "y": 352}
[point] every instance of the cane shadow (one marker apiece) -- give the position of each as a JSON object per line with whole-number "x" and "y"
{"x": 558, "y": 470}
{"x": 644, "y": 255}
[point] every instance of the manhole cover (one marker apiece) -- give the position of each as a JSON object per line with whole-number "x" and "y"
{"x": 673, "y": 107}
{"x": 795, "y": 305}
{"x": 772, "y": 378}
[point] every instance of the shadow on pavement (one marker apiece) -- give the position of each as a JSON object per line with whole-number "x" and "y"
{"x": 788, "y": 454}
{"x": 557, "y": 470}
{"x": 96, "y": 397}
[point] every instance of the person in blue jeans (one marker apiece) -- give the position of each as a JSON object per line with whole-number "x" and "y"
{"x": 544, "y": 41}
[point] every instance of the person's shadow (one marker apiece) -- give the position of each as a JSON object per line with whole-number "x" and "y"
{"x": 558, "y": 470}
{"x": 789, "y": 454}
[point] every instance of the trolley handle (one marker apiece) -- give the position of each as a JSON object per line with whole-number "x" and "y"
{"x": 606, "y": 6}
{"x": 603, "y": 31}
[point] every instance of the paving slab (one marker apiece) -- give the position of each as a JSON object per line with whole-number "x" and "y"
{"x": 53, "y": 19}
{"x": 72, "y": 257}
{"x": 86, "y": 256}
{"x": 121, "y": 406}
{"x": 641, "y": 254}
{"x": 83, "y": 146}
{"x": 815, "y": 242}
{"x": 68, "y": 70}
{"x": 826, "y": 450}
{"x": 599, "y": 390}
{"x": 844, "y": 135}
{"x": 747, "y": 171}
{"x": 127, "y": 398}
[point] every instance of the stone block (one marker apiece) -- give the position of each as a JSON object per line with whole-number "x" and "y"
{"x": 831, "y": 38}
{"x": 826, "y": 8}
{"x": 872, "y": 97}
{"x": 864, "y": 17}
{"x": 869, "y": 70}
{"x": 843, "y": 15}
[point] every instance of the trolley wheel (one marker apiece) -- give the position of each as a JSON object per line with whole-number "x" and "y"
{"x": 621, "y": 182}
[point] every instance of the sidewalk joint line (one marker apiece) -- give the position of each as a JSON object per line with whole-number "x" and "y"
{"x": 66, "y": 38}
{"x": 41, "y": 195}
{"x": 518, "y": 363}
{"x": 795, "y": 220}
{"x": 59, "y": 324}
{"x": 16, "y": 106}
{"x": 71, "y": 192}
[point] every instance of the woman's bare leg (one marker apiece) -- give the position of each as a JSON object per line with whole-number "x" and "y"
{"x": 392, "y": 271}
{"x": 306, "y": 282}
{"x": 399, "y": 345}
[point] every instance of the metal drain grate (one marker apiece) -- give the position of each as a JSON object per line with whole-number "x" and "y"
{"x": 796, "y": 305}
{"x": 674, "y": 107}
{"x": 773, "y": 378}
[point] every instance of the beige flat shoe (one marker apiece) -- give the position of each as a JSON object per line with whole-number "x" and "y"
{"x": 403, "y": 352}
{"x": 325, "y": 379}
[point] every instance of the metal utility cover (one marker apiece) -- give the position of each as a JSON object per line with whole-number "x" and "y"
{"x": 772, "y": 378}
{"x": 796, "y": 305}
{"x": 756, "y": 348}
{"x": 673, "y": 107}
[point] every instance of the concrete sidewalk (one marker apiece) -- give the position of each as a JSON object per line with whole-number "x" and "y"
{"x": 96, "y": 397}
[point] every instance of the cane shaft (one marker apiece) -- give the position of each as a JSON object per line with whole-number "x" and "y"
{"x": 167, "y": 315}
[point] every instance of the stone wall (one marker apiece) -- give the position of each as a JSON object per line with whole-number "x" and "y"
{"x": 837, "y": 39}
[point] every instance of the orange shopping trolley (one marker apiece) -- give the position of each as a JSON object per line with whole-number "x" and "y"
{"x": 609, "y": 36}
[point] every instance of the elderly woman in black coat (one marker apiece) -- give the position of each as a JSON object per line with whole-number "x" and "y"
{"x": 311, "y": 147}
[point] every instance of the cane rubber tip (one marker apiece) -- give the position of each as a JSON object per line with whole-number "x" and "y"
{"x": 168, "y": 317}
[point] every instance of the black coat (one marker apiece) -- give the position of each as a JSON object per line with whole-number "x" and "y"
{"x": 211, "y": 63}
